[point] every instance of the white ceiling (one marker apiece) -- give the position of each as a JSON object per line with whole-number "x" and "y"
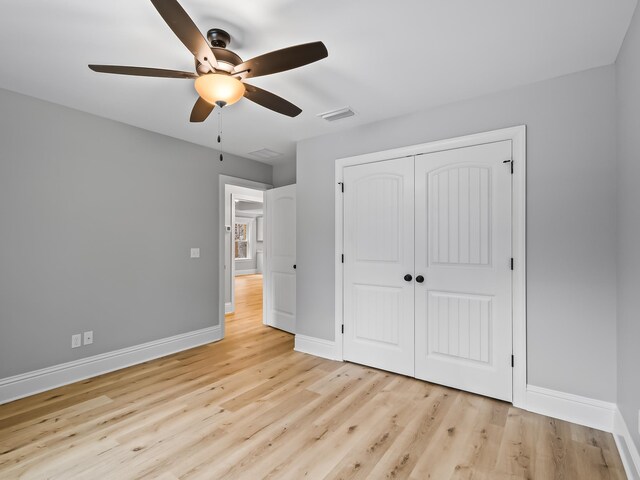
{"x": 385, "y": 58}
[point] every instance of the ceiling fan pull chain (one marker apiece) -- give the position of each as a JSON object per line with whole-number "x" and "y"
{"x": 219, "y": 124}
{"x": 220, "y": 130}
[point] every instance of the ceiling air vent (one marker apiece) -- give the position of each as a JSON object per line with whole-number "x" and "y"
{"x": 337, "y": 114}
{"x": 265, "y": 154}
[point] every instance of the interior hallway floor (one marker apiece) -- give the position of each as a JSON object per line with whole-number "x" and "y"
{"x": 249, "y": 407}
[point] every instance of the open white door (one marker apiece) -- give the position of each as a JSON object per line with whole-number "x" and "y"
{"x": 280, "y": 260}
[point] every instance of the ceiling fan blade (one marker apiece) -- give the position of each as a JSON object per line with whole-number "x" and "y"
{"x": 142, "y": 71}
{"x": 187, "y": 31}
{"x": 271, "y": 101}
{"x": 201, "y": 110}
{"x": 281, "y": 60}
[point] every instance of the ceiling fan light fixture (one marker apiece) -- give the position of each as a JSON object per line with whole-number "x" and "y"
{"x": 215, "y": 88}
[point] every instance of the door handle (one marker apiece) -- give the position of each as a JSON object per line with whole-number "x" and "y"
{"x": 294, "y": 267}
{"x": 419, "y": 279}
{"x": 408, "y": 277}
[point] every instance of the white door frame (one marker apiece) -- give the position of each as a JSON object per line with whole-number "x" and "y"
{"x": 239, "y": 182}
{"x": 231, "y": 260}
{"x": 517, "y": 135}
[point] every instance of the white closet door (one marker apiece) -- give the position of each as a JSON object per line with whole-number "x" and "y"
{"x": 463, "y": 251}
{"x": 280, "y": 273}
{"x": 378, "y": 249}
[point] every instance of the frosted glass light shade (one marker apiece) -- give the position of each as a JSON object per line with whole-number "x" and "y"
{"x": 214, "y": 87}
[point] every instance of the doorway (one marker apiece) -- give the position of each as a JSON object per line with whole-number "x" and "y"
{"x": 257, "y": 252}
{"x": 247, "y": 256}
{"x": 244, "y": 239}
{"x": 241, "y": 247}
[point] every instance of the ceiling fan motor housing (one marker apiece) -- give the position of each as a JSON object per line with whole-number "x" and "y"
{"x": 218, "y": 38}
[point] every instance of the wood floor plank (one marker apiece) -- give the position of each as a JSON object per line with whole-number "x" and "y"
{"x": 249, "y": 407}
{"x": 443, "y": 456}
{"x": 363, "y": 457}
{"x": 482, "y": 446}
{"x": 404, "y": 453}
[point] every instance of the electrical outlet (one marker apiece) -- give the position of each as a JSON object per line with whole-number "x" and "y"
{"x": 195, "y": 253}
{"x": 76, "y": 340}
{"x": 88, "y": 337}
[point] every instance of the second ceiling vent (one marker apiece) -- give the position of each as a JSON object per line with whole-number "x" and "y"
{"x": 334, "y": 115}
{"x": 265, "y": 154}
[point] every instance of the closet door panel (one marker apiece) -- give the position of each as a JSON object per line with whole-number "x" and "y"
{"x": 463, "y": 251}
{"x": 378, "y": 249}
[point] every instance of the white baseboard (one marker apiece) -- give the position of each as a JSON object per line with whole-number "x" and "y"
{"x": 228, "y": 307}
{"x": 251, "y": 271}
{"x": 572, "y": 408}
{"x": 30, "y": 383}
{"x": 316, "y": 346}
{"x": 626, "y": 446}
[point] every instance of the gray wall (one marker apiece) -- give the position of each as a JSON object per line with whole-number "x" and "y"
{"x": 571, "y": 218}
{"x": 96, "y": 222}
{"x": 284, "y": 174}
{"x": 628, "y": 75}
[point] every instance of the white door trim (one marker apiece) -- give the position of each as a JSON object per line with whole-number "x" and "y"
{"x": 239, "y": 182}
{"x": 231, "y": 259}
{"x": 517, "y": 135}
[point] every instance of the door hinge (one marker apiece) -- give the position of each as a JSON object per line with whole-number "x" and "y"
{"x": 511, "y": 162}
{"x": 513, "y": 361}
{"x": 341, "y": 186}
{"x": 511, "y": 263}
{"x": 343, "y": 258}
{"x": 343, "y": 328}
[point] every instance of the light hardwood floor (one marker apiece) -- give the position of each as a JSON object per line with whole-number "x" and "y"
{"x": 249, "y": 407}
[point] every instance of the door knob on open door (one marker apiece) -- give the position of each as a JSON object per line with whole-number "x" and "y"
{"x": 408, "y": 277}
{"x": 419, "y": 279}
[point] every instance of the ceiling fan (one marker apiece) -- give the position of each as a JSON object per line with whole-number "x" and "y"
{"x": 220, "y": 73}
